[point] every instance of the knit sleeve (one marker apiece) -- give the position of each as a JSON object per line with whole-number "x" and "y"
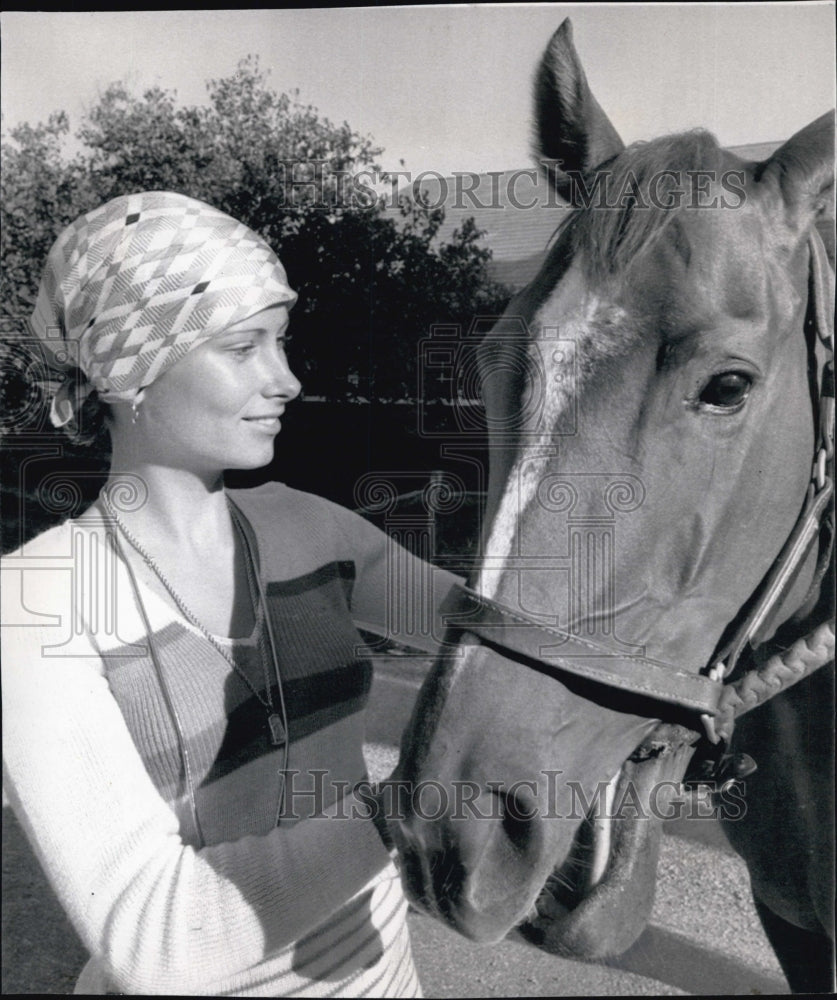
{"x": 161, "y": 916}
{"x": 396, "y": 594}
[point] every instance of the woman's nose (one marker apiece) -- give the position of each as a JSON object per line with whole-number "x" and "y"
{"x": 281, "y": 381}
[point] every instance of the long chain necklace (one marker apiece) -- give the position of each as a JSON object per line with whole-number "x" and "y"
{"x": 277, "y": 722}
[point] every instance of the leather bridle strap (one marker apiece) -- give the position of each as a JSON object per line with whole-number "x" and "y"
{"x": 751, "y": 629}
{"x": 768, "y": 680}
{"x": 781, "y": 671}
{"x": 557, "y": 651}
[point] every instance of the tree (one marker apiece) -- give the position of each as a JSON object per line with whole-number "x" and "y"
{"x": 40, "y": 193}
{"x": 370, "y": 285}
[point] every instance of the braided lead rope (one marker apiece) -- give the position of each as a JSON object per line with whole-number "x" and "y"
{"x": 779, "y": 672}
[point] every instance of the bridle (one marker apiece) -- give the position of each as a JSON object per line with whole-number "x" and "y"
{"x": 708, "y": 694}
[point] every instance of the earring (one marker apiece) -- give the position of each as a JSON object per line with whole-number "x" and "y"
{"x": 135, "y": 411}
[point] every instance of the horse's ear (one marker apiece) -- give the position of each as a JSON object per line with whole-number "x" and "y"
{"x": 573, "y": 133}
{"x": 804, "y": 170}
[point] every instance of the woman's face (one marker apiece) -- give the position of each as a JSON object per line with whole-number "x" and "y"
{"x": 219, "y": 407}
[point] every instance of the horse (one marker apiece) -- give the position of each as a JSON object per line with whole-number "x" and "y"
{"x": 655, "y": 561}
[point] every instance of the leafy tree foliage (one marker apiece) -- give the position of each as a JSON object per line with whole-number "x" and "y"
{"x": 370, "y": 285}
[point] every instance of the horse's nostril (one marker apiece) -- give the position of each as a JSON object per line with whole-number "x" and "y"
{"x": 447, "y": 874}
{"x": 410, "y": 845}
{"x": 519, "y": 813}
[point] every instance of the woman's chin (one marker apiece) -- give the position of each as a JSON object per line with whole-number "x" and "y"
{"x": 245, "y": 464}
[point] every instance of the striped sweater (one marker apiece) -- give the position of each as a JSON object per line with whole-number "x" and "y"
{"x": 94, "y": 762}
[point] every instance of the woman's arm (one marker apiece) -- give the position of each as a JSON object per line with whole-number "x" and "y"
{"x": 162, "y": 916}
{"x": 396, "y": 594}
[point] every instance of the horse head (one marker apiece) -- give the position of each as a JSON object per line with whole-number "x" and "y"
{"x": 653, "y": 441}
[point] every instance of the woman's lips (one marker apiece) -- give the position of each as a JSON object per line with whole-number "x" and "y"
{"x": 268, "y": 423}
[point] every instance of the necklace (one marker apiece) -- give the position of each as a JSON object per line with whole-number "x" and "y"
{"x": 277, "y": 722}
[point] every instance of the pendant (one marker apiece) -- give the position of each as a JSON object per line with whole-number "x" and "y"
{"x": 277, "y": 730}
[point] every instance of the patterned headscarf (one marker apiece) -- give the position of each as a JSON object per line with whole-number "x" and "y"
{"x": 136, "y": 284}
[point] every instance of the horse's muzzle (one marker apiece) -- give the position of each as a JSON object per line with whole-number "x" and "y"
{"x": 608, "y": 918}
{"x": 480, "y": 877}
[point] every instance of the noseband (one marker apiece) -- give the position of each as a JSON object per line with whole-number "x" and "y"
{"x": 708, "y": 693}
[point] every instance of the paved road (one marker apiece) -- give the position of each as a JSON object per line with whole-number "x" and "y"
{"x": 704, "y": 937}
{"x": 665, "y": 965}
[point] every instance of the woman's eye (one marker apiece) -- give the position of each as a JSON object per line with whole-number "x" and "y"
{"x": 243, "y": 349}
{"x": 726, "y": 390}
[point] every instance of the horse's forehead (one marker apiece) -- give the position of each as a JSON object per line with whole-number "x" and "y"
{"x": 709, "y": 266}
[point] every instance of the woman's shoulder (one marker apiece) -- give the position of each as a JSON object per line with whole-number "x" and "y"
{"x": 286, "y": 521}
{"x": 39, "y": 592}
{"x": 271, "y": 500}
{"x": 53, "y": 543}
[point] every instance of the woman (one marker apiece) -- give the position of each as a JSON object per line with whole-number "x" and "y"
{"x": 183, "y": 681}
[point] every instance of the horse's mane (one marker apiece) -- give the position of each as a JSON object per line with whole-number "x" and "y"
{"x": 631, "y": 213}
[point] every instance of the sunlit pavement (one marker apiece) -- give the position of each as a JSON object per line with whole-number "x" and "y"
{"x": 722, "y": 953}
{"x": 704, "y": 937}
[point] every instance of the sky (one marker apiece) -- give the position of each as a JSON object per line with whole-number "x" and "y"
{"x": 447, "y": 87}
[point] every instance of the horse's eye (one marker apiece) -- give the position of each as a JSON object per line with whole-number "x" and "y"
{"x": 727, "y": 390}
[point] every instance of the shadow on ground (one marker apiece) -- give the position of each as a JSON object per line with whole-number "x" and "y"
{"x": 41, "y": 952}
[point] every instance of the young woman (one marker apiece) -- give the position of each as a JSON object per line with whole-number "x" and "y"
{"x": 183, "y": 679}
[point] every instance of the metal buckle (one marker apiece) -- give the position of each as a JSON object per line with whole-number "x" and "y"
{"x": 720, "y": 772}
{"x": 717, "y": 673}
{"x": 734, "y": 768}
{"x": 819, "y": 471}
